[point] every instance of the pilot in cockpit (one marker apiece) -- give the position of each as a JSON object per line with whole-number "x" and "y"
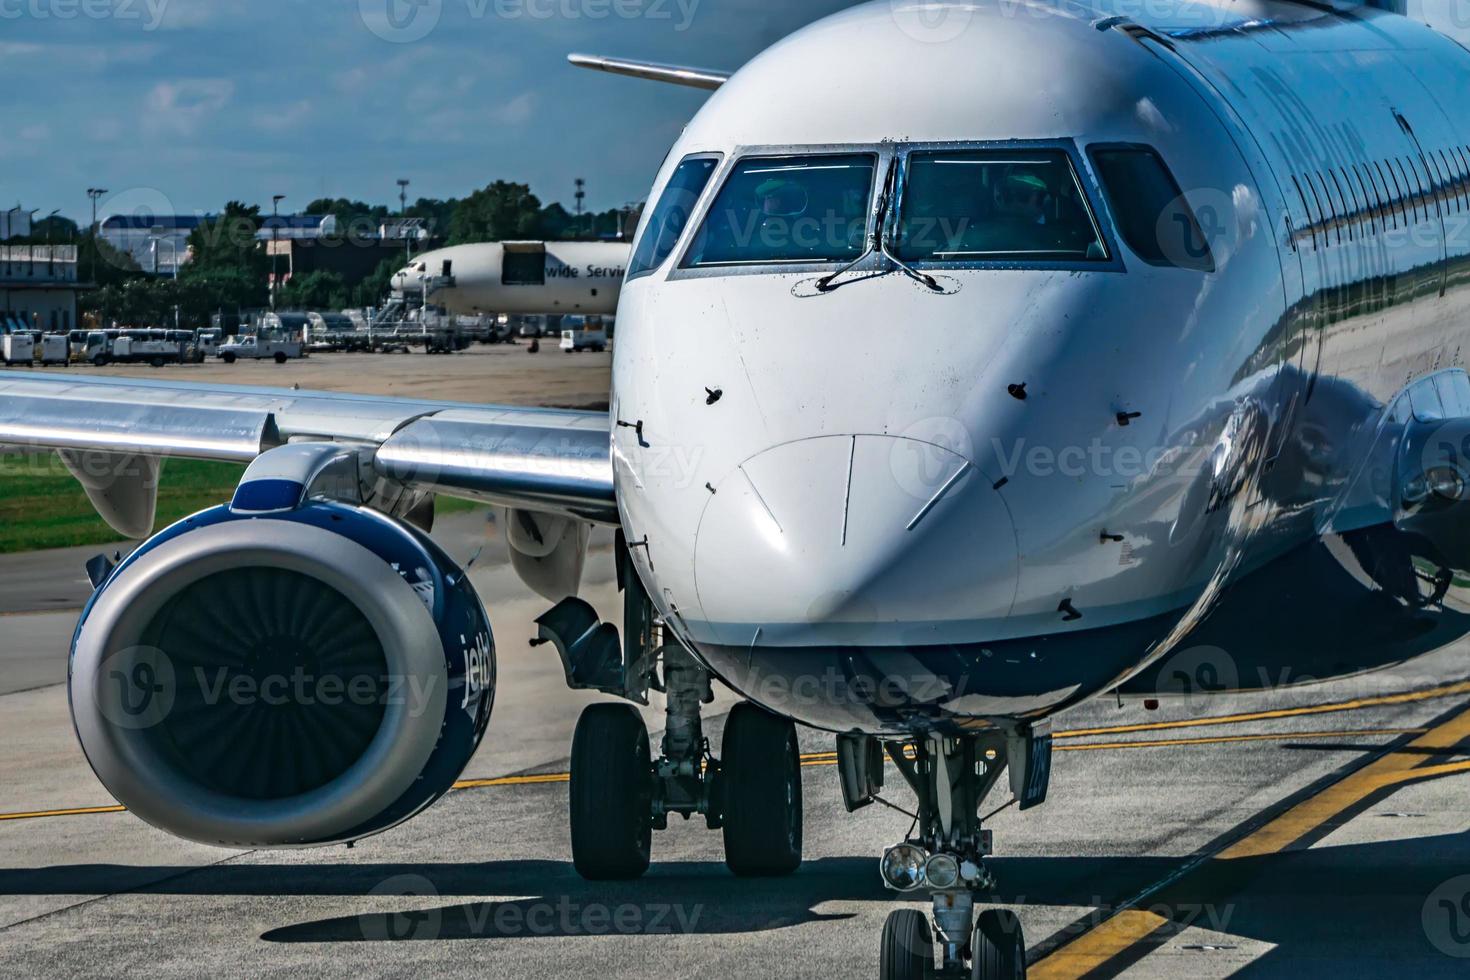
{"x": 1023, "y": 197}
{"x": 781, "y": 198}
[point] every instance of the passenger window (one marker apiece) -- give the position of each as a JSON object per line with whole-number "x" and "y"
{"x": 1385, "y": 200}
{"x": 1443, "y": 181}
{"x": 1375, "y": 196}
{"x": 1307, "y": 210}
{"x": 1415, "y": 189}
{"x": 995, "y": 205}
{"x": 1397, "y": 193}
{"x": 1349, "y": 201}
{"x": 1461, "y": 188}
{"x": 1319, "y": 197}
{"x": 1333, "y": 208}
{"x": 1366, "y": 214}
{"x": 671, "y": 214}
{"x": 1457, "y": 178}
{"x": 1150, "y": 210}
{"x": 791, "y": 209}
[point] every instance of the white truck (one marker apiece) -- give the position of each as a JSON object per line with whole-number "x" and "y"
{"x": 155, "y": 347}
{"x": 18, "y": 348}
{"x": 251, "y": 347}
{"x": 579, "y": 333}
{"x": 55, "y": 350}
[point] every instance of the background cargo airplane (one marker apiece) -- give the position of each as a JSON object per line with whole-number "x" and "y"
{"x": 1186, "y": 303}
{"x": 519, "y": 277}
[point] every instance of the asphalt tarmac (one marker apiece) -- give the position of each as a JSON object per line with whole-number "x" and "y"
{"x": 1303, "y": 832}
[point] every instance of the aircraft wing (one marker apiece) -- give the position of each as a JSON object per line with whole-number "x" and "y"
{"x": 535, "y": 459}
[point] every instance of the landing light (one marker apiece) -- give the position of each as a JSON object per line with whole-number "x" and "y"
{"x": 902, "y": 867}
{"x": 942, "y": 871}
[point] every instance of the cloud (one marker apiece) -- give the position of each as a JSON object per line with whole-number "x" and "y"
{"x": 514, "y": 111}
{"x": 283, "y": 118}
{"x": 182, "y": 106}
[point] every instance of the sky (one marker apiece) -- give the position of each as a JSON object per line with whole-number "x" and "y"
{"x": 177, "y": 106}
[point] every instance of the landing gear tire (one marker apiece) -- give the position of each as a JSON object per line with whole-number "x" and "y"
{"x": 760, "y": 793}
{"x": 611, "y": 794}
{"x": 908, "y": 947}
{"x": 998, "y": 947}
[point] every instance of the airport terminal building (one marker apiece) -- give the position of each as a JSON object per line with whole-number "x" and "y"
{"x": 38, "y": 287}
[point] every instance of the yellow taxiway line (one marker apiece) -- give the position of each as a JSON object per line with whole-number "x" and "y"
{"x": 819, "y": 759}
{"x": 828, "y": 758}
{"x": 1131, "y": 927}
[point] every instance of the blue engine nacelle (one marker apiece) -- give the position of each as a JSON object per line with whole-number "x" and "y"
{"x": 282, "y": 672}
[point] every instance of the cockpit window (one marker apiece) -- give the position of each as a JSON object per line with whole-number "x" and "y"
{"x": 995, "y": 205}
{"x": 786, "y": 210}
{"x": 671, "y": 214}
{"x": 1151, "y": 211}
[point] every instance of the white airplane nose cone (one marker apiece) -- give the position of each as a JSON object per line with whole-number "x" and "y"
{"x": 842, "y": 539}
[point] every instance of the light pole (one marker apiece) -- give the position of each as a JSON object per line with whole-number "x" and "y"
{"x": 96, "y": 194}
{"x": 49, "y": 223}
{"x": 402, "y": 216}
{"x": 275, "y": 243}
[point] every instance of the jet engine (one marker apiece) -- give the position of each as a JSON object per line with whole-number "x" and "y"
{"x": 287, "y": 670}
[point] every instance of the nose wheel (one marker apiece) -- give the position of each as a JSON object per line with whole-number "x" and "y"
{"x": 998, "y": 947}
{"x": 908, "y": 947}
{"x": 951, "y": 778}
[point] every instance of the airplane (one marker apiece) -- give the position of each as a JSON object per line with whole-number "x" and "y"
{"x": 519, "y": 277}
{"x": 975, "y": 360}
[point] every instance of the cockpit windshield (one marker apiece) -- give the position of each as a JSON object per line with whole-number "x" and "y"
{"x": 787, "y": 210}
{"x": 995, "y": 205}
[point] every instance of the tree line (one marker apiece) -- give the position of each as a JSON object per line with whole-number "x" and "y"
{"x": 229, "y": 271}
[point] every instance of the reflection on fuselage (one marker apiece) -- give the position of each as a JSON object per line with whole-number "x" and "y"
{"x": 1221, "y": 442}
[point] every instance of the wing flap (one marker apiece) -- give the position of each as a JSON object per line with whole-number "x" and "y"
{"x": 514, "y": 463}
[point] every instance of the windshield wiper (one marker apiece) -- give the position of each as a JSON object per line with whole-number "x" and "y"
{"x": 875, "y": 239}
{"x": 878, "y": 240}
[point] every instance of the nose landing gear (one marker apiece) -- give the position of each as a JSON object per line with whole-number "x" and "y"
{"x": 951, "y": 778}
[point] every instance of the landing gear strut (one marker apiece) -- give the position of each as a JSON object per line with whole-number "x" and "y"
{"x": 946, "y": 857}
{"x": 620, "y": 793}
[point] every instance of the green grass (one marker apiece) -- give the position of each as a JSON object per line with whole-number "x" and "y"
{"x": 454, "y": 505}
{"x": 42, "y": 505}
